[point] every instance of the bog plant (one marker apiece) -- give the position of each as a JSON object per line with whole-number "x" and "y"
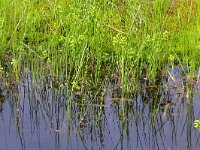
{"x": 197, "y": 124}
{"x": 88, "y": 40}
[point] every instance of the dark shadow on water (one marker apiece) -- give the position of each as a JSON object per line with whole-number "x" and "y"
{"x": 43, "y": 116}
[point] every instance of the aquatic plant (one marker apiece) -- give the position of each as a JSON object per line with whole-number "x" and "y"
{"x": 197, "y": 124}
{"x": 87, "y": 41}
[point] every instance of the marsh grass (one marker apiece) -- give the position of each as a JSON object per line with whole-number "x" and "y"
{"x": 69, "y": 50}
{"x": 85, "y": 42}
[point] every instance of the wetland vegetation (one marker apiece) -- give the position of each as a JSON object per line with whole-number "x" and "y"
{"x": 81, "y": 67}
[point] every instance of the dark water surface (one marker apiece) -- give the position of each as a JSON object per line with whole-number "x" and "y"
{"x": 48, "y": 118}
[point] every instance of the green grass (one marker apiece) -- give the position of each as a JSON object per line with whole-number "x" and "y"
{"x": 85, "y": 42}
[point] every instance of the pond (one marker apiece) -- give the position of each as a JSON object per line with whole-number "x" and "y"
{"x": 161, "y": 117}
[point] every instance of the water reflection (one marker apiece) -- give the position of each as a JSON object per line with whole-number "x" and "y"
{"x": 41, "y": 116}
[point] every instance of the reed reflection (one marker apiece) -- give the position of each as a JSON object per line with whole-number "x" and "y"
{"x": 51, "y": 117}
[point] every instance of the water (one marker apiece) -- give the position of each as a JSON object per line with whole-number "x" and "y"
{"x": 49, "y": 118}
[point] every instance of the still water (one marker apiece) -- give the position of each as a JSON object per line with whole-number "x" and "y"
{"x": 35, "y": 117}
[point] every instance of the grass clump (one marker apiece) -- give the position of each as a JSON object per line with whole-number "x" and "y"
{"x": 84, "y": 41}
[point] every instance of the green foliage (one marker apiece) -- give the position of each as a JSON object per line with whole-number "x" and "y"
{"x": 197, "y": 124}
{"x": 76, "y": 39}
